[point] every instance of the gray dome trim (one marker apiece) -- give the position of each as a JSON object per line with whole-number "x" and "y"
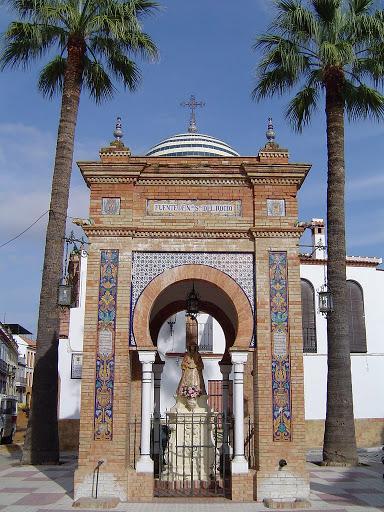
{"x": 192, "y": 144}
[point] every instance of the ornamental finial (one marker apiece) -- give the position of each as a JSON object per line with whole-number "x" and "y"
{"x": 270, "y": 133}
{"x": 118, "y": 132}
{"x": 192, "y": 104}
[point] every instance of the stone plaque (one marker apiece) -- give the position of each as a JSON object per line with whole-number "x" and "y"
{"x": 76, "y": 366}
{"x": 279, "y": 343}
{"x": 276, "y": 207}
{"x": 110, "y": 206}
{"x": 105, "y": 342}
{"x": 170, "y": 207}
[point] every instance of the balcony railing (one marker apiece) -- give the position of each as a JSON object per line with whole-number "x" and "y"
{"x": 21, "y": 382}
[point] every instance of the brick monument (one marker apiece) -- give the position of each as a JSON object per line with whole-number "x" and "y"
{"x": 227, "y": 224}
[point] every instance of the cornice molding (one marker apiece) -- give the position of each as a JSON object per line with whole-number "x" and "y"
{"x": 350, "y": 261}
{"x": 274, "y": 154}
{"x": 277, "y": 232}
{"x": 165, "y": 233}
{"x": 111, "y": 179}
{"x": 206, "y": 181}
{"x": 277, "y": 180}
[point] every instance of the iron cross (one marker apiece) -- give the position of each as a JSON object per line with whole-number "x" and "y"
{"x": 192, "y": 104}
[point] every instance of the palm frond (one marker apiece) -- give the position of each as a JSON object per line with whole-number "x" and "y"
{"x": 51, "y": 78}
{"x": 141, "y": 44}
{"x": 125, "y": 70}
{"x": 282, "y": 52}
{"x": 302, "y": 106}
{"x": 295, "y": 21}
{"x": 144, "y": 7}
{"x": 108, "y": 30}
{"x": 274, "y": 82}
{"x": 362, "y": 102}
{"x": 326, "y": 10}
{"x": 365, "y": 29}
{"x": 23, "y": 7}
{"x": 336, "y": 54}
{"x": 358, "y": 7}
{"x": 97, "y": 81}
{"x": 371, "y": 68}
{"x": 25, "y": 42}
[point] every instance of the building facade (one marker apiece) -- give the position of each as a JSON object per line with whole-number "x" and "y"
{"x": 8, "y": 362}
{"x": 199, "y": 216}
{"x": 364, "y": 280}
{"x": 26, "y": 361}
{"x": 195, "y": 214}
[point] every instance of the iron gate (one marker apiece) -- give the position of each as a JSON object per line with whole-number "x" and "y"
{"x": 192, "y": 454}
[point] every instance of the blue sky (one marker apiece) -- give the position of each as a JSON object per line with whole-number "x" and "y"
{"x": 205, "y": 48}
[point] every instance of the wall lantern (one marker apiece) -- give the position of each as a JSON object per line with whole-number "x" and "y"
{"x": 325, "y": 301}
{"x": 65, "y": 294}
{"x": 192, "y": 305}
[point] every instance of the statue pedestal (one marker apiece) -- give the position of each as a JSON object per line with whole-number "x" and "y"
{"x": 191, "y": 453}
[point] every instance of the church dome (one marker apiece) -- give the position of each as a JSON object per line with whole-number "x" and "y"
{"x": 192, "y": 144}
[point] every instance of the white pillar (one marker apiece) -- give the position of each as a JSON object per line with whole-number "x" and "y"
{"x": 239, "y": 462}
{"x": 145, "y": 463}
{"x": 157, "y": 371}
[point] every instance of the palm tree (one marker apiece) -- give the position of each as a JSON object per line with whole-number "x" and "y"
{"x": 330, "y": 48}
{"x": 96, "y": 40}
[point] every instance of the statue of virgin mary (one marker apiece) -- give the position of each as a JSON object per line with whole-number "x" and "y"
{"x": 192, "y": 365}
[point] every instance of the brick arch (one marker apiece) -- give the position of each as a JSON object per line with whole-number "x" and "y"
{"x": 142, "y": 313}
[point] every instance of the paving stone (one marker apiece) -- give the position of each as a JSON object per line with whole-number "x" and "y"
{"x": 39, "y": 498}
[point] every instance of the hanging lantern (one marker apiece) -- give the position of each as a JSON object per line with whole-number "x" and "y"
{"x": 325, "y": 301}
{"x": 65, "y": 294}
{"x": 192, "y": 305}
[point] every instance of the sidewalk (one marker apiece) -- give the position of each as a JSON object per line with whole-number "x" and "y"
{"x": 50, "y": 488}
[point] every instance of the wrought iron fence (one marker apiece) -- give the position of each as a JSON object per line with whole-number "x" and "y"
{"x": 179, "y": 443}
{"x": 191, "y": 453}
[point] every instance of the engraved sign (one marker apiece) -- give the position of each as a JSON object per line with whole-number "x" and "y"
{"x": 276, "y": 207}
{"x": 105, "y": 342}
{"x": 279, "y": 343}
{"x": 76, "y": 365}
{"x": 193, "y": 207}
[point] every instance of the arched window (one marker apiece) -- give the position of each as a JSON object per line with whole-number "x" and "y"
{"x": 356, "y": 318}
{"x": 308, "y": 316}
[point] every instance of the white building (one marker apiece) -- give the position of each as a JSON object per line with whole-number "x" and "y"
{"x": 365, "y": 279}
{"x": 26, "y": 361}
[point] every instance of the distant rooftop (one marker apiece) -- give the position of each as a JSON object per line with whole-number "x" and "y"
{"x": 17, "y": 329}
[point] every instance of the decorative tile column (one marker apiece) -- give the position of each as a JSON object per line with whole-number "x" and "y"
{"x": 239, "y": 462}
{"x": 145, "y": 463}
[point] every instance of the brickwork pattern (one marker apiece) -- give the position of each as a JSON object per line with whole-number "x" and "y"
{"x": 136, "y": 180}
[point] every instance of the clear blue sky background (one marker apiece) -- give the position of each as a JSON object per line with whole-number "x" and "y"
{"x": 205, "y": 48}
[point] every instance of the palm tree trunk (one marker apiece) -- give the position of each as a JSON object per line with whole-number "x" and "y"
{"x": 339, "y": 436}
{"x": 42, "y": 440}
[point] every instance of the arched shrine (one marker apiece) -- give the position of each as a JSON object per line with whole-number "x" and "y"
{"x": 192, "y": 231}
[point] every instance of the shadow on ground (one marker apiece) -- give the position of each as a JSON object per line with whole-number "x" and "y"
{"x": 62, "y": 474}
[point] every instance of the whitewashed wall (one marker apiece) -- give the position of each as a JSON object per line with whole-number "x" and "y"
{"x": 367, "y": 369}
{"x": 69, "y": 390}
